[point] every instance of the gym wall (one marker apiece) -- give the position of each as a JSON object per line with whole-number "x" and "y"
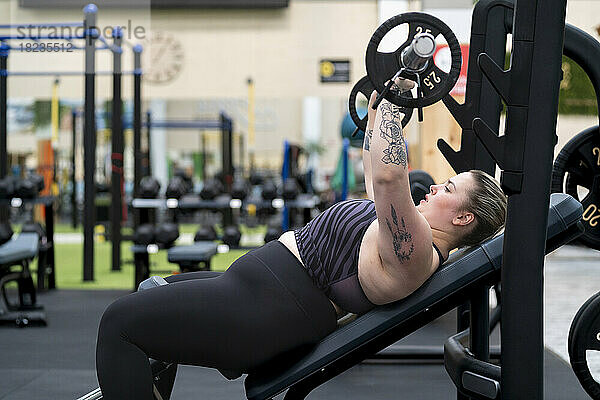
{"x": 221, "y": 48}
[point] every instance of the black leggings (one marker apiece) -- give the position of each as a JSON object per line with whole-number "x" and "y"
{"x": 263, "y": 305}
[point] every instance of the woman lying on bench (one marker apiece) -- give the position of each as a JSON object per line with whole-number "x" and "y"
{"x": 290, "y": 292}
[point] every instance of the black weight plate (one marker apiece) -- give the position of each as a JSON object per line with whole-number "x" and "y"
{"x": 578, "y": 165}
{"x": 381, "y": 67}
{"x": 365, "y": 87}
{"x": 584, "y": 335}
{"x": 420, "y": 182}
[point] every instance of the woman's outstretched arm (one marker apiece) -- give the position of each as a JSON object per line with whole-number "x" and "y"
{"x": 404, "y": 236}
{"x": 367, "y": 147}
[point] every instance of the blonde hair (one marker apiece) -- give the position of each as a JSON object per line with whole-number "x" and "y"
{"x": 487, "y": 202}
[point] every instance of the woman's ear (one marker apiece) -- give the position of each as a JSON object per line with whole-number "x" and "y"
{"x": 463, "y": 218}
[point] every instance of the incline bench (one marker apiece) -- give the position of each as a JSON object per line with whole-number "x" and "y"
{"x": 372, "y": 332}
{"x": 302, "y": 370}
{"x": 190, "y": 257}
{"x": 19, "y": 251}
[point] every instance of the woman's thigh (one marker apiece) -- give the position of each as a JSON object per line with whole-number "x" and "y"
{"x": 233, "y": 321}
{"x": 193, "y": 275}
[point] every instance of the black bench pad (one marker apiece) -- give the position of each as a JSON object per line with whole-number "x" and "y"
{"x": 198, "y": 252}
{"x": 23, "y": 246}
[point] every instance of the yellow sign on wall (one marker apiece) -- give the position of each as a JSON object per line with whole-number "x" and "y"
{"x": 334, "y": 71}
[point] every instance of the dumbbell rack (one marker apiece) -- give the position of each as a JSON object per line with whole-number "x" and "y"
{"x": 225, "y": 202}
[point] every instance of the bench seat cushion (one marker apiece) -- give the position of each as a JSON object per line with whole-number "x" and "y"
{"x": 23, "y": 246}
{"x": 198, "y": 252}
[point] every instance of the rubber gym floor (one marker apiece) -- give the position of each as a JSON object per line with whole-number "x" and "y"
{"x": 57, "y": 362}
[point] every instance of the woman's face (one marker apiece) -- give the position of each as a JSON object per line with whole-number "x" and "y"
{"x": 443, "y": 204}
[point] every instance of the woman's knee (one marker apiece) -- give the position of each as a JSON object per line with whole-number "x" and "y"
{"x": 114, "y": 318}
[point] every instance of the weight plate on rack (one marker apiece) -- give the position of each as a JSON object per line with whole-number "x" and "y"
{"x": 584, "y": 335}
{"x": 576, "y": 172}
{"x": 365, "y": 87}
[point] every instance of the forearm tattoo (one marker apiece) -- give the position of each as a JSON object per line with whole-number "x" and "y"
{"x": 391, "y": 131}
{"x": 367, "y": 141}
{"x": 402, "y": 239}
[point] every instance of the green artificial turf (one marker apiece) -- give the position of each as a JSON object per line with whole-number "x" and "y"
{"x": 69, "y": 266}
{"x": 68, "y": 228}
{"x": 69, "y": 261}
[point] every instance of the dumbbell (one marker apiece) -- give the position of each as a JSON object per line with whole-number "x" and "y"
{"x": 232, "y": 236}
{"x": 102, "y": 187}
{"x": 176, "y": 188}
{"x": 290, "y": 189}
{"x": 149, "y": 187}
{"x": 38, "y": 180}
{"x": 269, "y": 190}
{"x": 205, "y": 233}
{"x": 6, "y": 232}
{"x": 29, "y": 187}
{"x": 144, "y": 234}
{"x": 166, "y": 234}
{"x": 240, "y": 189}
{"x": 219, "y": 176}
{"x": 187, "y": 180}
{"x": 420, "y": 181}
{"x": 255, "y": 178}
{"x": 211, "y": 189}
{"x": 7, "y": 187}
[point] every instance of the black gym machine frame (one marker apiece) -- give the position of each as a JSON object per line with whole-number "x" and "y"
{"x": 531, "y": 96}
{"x": 90, "y": 37}
{"x": 118, "y": 208}
{"x": 524, "y": 155}
{"x": 46, "y": 276}
{"x": 117, "y": 211}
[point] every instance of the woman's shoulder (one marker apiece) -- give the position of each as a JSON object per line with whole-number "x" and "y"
{"x": 386, "y": 282}
{"x": 410, "y": 242}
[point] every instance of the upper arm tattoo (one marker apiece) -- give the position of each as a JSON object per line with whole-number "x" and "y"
{"x": 391, "y": 131}
{"x": 367, "y": 141}
{"x": 402, "y": 239}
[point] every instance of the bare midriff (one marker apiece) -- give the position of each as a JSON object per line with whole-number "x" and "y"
{"x": 289, "y": 240}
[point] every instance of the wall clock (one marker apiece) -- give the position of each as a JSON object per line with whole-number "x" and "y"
{"x": 162, "y": 59}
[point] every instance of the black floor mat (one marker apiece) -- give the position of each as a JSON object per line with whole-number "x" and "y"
{"x": 57, "y": 362}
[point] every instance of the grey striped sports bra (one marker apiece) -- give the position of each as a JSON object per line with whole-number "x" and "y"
{"x": 329, "y": 246}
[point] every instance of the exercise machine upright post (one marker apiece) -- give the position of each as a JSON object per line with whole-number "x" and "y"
{"x": 89, "y": 144}
{"x": 226, "y": 153}
{"x": 4, "y": 49}
{"x": 74, "y": 207}
{"x": 137, "y": 123}
{"x": 523, "y": 261}
{"x": 117, "y": 162}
